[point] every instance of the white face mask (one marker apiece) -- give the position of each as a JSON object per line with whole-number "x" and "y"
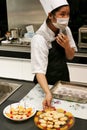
{"x": 61, "y": 23}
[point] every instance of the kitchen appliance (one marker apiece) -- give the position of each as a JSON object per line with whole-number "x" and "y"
{"x": 15, "y": 33}
{"x": 82, "y": 40}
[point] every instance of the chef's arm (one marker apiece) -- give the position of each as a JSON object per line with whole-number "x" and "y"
{"x": 69, "y": 52}
{"x": 41, "y": 78}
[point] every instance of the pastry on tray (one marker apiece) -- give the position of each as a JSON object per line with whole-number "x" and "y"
{"x": 54, "y": 119}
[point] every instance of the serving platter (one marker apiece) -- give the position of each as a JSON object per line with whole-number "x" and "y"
{"x": 54, "y": 119}
{"x": 18, "y": 112}
{"x": 71, "y": 91}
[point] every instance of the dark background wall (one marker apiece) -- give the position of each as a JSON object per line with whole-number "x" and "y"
{"x": 3, "y": 18}
{"x": 78, "y": 15}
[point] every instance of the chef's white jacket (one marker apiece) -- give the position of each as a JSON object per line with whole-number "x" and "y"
{"x": 40, "y": 45}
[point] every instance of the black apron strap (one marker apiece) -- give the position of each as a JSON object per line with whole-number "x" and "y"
{"x": 57, "y": 68}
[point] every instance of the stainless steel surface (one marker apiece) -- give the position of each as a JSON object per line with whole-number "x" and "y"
{"x": 16, "y": 48}
{"x": 71, "y": 91}
{"x": 6, "y": 89}
{"x": 24, "y": 12}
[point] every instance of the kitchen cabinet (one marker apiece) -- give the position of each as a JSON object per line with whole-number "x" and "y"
{"x": 78, "y": 72}
{"x": 15, "y": 62}
{"x": 19, "y": 68}
{"x": 16, "y": 68}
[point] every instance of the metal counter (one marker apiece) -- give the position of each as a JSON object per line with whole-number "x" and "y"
{"x": 15, "y": 51}
{"x": 6, "y": 124}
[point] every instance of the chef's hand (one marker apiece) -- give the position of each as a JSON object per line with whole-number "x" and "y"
{"x": 47, "y": 101}
{"x": 62, "y": 40}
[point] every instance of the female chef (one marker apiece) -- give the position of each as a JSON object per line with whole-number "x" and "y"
{"x": 51, "y": 46}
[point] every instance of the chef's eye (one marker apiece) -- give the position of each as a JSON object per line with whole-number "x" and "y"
{"x": 63, "y": 14}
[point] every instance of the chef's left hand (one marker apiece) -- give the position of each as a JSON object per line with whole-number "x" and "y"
{"x": 47, "y": 101}
{"x": 62, "y": 40}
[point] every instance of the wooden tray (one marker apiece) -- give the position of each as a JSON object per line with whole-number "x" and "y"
{"x": 70, "y": 91}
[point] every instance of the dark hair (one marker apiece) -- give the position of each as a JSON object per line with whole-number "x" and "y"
{"x": 57, "y": 9}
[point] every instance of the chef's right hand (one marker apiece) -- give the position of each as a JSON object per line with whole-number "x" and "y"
{"x": 47, "y": 100}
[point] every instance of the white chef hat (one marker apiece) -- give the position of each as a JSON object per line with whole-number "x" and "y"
{"x": 50, "y": 5}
